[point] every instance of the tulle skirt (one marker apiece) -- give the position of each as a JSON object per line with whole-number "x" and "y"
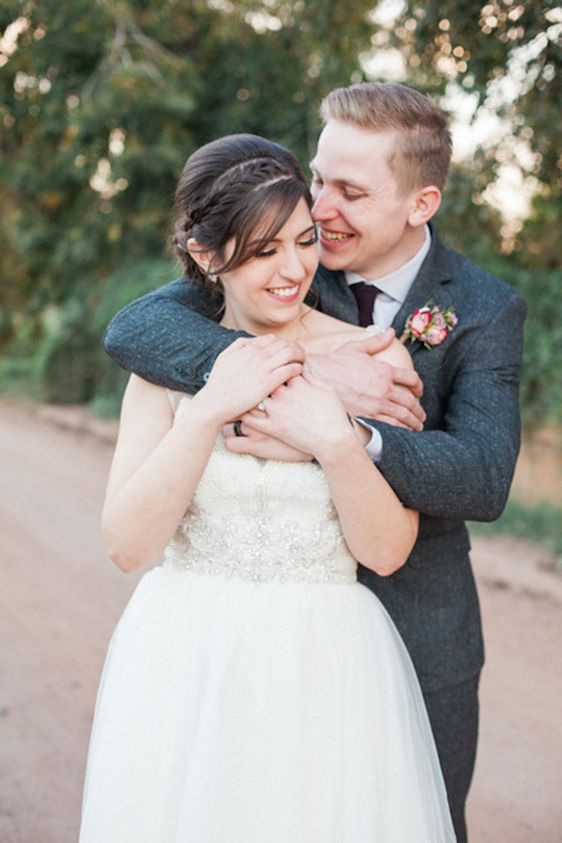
{"x": 239, "y": 712}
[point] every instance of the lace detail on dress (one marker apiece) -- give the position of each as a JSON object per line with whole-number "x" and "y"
{"x": 248, "y": 548}
{"x": 261, "y": 521}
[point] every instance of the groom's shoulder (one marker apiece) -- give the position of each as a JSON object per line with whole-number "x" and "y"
{"x": 472, "y": 280}
{"x": 169, "y": 289}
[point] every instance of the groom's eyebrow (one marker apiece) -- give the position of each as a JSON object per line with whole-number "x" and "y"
{"x": 341, "y": 182}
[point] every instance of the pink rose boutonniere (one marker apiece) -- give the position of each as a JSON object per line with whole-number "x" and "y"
{"x": 429, "y": 324}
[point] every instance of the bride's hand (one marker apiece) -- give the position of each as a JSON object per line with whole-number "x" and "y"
{"x": 248, "y": 371}
{"x": 248, "y": 441}
{"x": 305, "y": 414}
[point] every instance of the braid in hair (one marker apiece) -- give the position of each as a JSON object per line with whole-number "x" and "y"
{"x": 226, "y": 189}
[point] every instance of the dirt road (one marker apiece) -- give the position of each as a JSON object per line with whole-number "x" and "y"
{"x": 60, "y": 599}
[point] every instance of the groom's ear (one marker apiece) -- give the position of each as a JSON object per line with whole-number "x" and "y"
{"x": 425, "y": 203}
{"x": 202, "y": 257}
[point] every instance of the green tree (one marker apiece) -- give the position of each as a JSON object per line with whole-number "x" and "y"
{"x": 95, "y": 110}
{"x": 102, "y": 103}
{"x": 505, "y": 53}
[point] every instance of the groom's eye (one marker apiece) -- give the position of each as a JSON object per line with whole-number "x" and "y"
{"x": 351, "y": 197}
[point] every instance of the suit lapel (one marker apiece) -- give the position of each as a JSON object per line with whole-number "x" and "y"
{"x": 430, "y": 284}
{"x": 336, "y": 299}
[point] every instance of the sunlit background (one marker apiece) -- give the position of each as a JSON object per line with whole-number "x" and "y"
{"x": 103, "y": 101}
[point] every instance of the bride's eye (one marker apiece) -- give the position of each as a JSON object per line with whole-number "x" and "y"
{"x": 266, "y": 253}
{"x": 310, "y": 241}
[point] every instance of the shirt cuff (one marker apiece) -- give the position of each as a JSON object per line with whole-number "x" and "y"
{"x": 374, "y": 445}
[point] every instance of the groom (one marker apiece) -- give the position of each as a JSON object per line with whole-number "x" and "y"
{"x": 381, "y": 164}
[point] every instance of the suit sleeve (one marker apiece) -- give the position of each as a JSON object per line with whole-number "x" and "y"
{"x": 465, "y": 470}
{"x": 169, "y": 337}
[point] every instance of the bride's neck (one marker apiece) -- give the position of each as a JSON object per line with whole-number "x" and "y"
{"x": 297, "y": 329}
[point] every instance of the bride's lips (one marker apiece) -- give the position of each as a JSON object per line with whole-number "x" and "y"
{"x": 334, "y": 239}
{"x": 286, "y": 294}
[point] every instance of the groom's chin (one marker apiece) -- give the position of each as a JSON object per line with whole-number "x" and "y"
{"x": 332, "y": 261}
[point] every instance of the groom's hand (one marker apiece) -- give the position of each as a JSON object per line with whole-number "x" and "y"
{"x": 370, "y": 387}
{"x": 250, "y": 441}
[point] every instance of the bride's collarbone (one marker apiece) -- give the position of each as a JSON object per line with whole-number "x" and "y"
{"x": 331, "y": 339}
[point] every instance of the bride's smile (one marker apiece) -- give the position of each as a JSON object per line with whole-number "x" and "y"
{"x": 268, "y": 291}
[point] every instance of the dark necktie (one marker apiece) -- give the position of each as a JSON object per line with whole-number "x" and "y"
{"x": 365, "y": 295}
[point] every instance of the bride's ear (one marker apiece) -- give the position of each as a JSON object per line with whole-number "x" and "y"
{"x": 202, "y": 257}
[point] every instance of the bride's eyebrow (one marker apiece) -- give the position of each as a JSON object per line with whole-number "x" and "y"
{"x": 310, "y": 228}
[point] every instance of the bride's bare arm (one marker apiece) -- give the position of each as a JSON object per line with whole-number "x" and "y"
{"x": 309, "y": 416}
{"x": 155, "y": 470}
{"x": 158, "y": 464}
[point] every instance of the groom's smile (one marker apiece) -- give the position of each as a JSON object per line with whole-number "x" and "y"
{"x": 363, "y": 212}
{"x": 330, "y": 237}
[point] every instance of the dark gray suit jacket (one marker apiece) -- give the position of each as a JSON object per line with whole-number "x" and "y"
{"x": 459, "y": 468}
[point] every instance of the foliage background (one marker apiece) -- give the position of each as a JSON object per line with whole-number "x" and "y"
{"x": 102, "y": 102}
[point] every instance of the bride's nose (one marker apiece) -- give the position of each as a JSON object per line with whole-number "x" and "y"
{"x": 293, "y": 268}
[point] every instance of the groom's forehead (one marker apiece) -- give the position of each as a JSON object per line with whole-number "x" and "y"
{"x": 350, "y": 148}
{"x": 351, "y": 169}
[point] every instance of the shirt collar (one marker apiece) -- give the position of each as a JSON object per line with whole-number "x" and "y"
{"x": 396, "y": 285}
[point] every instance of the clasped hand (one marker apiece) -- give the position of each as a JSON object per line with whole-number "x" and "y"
{"x": 305, "y": 415}
{"x": 363, "y": 384}
{"x": 249, "y": 370}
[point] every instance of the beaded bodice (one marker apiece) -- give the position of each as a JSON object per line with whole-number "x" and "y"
{"x": 264, "y": 521}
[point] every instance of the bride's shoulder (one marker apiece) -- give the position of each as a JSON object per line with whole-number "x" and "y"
{"x": 326, "y": 333}
{"x": 141, "y": 395}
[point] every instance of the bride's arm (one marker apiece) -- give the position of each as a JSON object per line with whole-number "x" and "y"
{"x": 155, "y": 470}
{"x": 393, "y": 357}
{"x": 158, "y": 464}
{"x": 378, "y": 530}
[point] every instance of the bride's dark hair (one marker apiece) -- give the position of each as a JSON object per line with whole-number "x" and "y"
{"x": 242, "y": 188}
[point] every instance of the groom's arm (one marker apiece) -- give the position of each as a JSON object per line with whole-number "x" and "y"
{"x": 169, "y": 337}
{"x": 465, "y": 470}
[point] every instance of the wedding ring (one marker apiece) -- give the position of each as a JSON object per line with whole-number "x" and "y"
{"x": 261, "y": 406}
{"x": 237, "y": 428}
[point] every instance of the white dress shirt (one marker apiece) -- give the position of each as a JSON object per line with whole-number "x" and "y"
{"x": 394, "y": 288}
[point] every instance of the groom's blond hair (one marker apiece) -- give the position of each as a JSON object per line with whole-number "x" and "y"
{"x": 422, "y": 153}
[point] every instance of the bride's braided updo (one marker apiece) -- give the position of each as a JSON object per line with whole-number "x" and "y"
{"x": 241, "y": 188}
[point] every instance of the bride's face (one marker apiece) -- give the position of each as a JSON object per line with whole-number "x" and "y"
{"x": 267, "y": 292}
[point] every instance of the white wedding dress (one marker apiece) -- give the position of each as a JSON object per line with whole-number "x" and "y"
{"x": 254, "y": 692}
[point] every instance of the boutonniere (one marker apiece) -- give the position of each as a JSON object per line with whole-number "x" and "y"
{"x": 429, "y": 324}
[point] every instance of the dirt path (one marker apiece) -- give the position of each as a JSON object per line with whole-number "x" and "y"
{"x": 60, "y": 599}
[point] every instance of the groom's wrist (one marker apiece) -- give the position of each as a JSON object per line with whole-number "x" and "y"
{"x": 373, "y": 445}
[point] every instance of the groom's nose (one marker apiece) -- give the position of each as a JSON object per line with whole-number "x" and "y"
{"x": 324, "y": 206}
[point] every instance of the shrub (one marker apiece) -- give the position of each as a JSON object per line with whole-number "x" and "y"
{"x": 73, "y": 367}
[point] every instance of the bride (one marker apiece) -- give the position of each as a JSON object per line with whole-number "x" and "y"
{"x": 254, "y": 691}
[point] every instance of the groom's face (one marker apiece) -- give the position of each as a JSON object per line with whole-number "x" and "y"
{"x": 363, "y": 212}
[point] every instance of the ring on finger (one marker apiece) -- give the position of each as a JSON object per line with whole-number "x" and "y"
{"x": 261, "y": 406}
{"x": 237, "y": 428}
